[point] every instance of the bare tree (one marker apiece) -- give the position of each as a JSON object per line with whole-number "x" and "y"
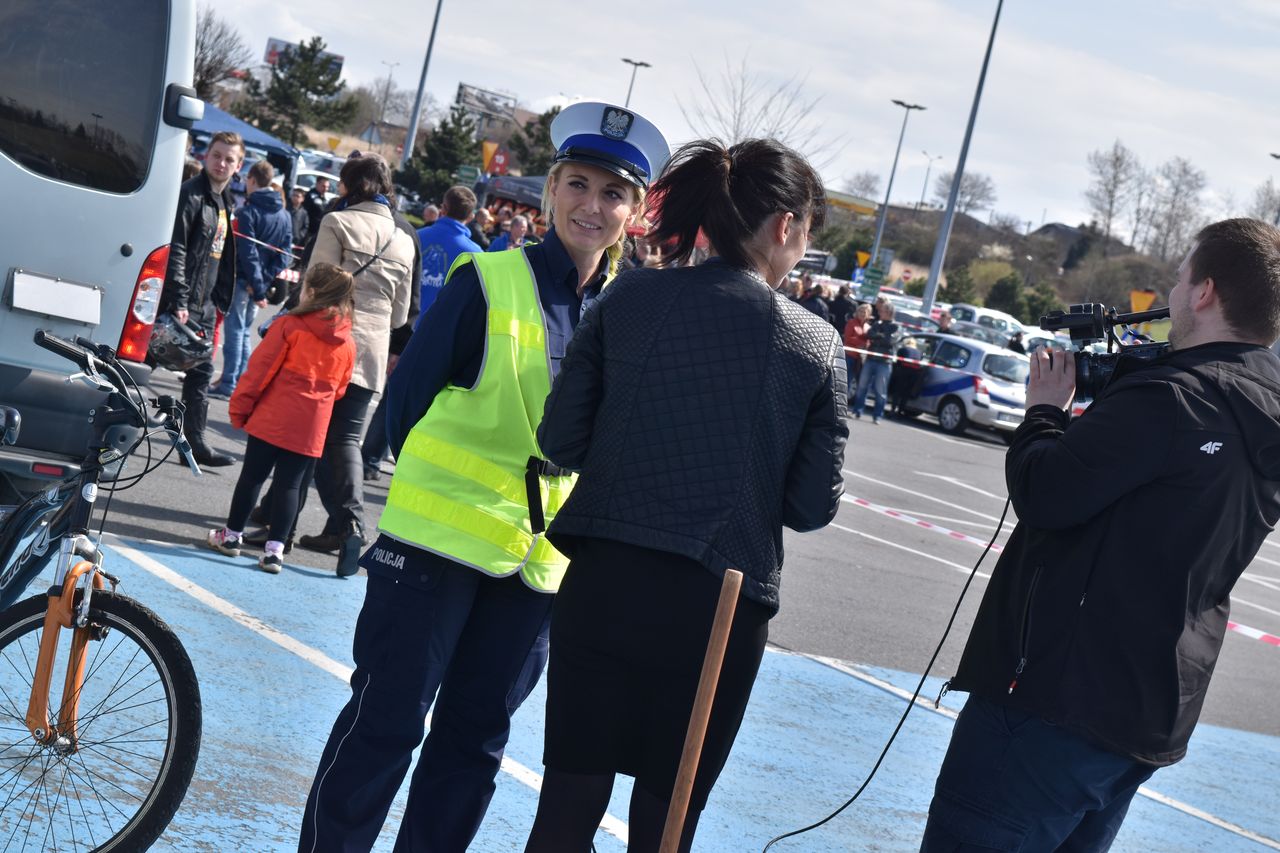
{"x": 739, "y": 104}
{"x": 1177, "y": 206}
{"x": 1008, "y": 222}
{"x": 1266, "y": 202}
{"x": 220, "y": 51}
{"x": 1140, "y": 206}
{"x": 865, "y": 184}
{"x": 1113, "y": 170}
{"x": 977, "y": 191}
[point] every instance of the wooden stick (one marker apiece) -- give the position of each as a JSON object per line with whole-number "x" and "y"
{"x": 707, "y": 683}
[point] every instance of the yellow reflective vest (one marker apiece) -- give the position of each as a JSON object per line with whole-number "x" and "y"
{"x": 459, "y": 487}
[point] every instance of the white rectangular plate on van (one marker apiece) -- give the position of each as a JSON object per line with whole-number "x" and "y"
{"x": 55, "y": 297}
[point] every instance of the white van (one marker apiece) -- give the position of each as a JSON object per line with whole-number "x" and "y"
{"x": 989, "y": 317}
{"x": 95, "y": 104}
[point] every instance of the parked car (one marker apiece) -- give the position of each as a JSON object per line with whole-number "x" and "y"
{"x": 306, "y": 179}
{"x": 912, "y": 322}
{"x": 973, "y": 331}
{"x": 970, "y": 382}
{"x": 320, "y": 161}
{"x": 998, "y": 320}
{"x": 92, "y": 146}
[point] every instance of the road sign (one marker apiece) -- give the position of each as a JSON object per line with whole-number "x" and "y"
{"x": 468, "y": 174}
{"x": 863, "y": 257}
{"x": 872, "y": 278}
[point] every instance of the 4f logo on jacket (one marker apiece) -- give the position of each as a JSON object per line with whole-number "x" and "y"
{"x": 1211, "y": 447}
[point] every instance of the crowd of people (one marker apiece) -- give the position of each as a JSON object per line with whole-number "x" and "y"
{"x": 586, "y": 443}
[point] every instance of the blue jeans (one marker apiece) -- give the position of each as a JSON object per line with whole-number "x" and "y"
{"x": 477, "y": 640}
{"x": 874, "y": 377}
{"x": 236, "y": 328}
{"x": 1012, "y": 781}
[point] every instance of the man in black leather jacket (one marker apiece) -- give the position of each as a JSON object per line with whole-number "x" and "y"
{"x": 200, "y": 278}
{"x": 1092, "y": 651}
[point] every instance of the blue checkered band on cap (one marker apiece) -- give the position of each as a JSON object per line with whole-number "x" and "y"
{"x": 628, "y": 155}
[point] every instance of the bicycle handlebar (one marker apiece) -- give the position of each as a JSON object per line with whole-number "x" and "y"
{"x": 97, "y": 362}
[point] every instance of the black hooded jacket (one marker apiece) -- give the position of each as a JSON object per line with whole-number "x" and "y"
{"x": 1108, "y": 607}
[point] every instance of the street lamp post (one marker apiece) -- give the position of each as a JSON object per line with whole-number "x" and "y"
{"x": 884, "y": 208}
{"x": 944, "y": 233}
{"x": 386, "y": 93}
{"x": 407, "y": 154}
{"x": 636, "y": 65}
{"x": 927, "y": 170}
{"x": 1277, "y": 222}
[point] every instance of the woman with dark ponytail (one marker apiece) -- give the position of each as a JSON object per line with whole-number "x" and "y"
{"x": 717, "y": 418}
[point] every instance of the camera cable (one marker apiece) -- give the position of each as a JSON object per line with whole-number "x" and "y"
{"x": 914, "y": 696}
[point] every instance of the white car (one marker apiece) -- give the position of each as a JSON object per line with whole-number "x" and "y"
{"x": 998, "y": 320}
{"x": 306, "y": 179}
{"x": 970, "y": 382}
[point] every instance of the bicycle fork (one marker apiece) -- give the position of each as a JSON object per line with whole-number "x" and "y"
{"x": 61, "y": 732}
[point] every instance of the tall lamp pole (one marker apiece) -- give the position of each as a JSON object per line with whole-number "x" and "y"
{"x": 416, "y": 115}
{"x": 636, "y": 65}
{"x": 884, "y": 208}
{"x": 386, "y": 93}
{"x": 927, "y": 170}
{"x": 944, "y": 234}
{"x": 1277, "y": 222}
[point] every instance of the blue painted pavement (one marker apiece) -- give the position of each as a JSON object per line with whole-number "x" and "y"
{"x": 811, "y": 733}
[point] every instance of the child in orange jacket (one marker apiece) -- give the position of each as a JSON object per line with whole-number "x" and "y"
{"x": 284, "y": 401}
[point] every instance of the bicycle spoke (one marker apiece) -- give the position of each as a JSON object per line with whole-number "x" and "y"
{"x": 118, "y": 763}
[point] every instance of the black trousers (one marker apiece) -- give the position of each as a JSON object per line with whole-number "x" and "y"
{"x": 195, "y": 384}
{"x": 339, "y": 474}
{"x": 260, "y": 458}
{"x": 375, "y": 437}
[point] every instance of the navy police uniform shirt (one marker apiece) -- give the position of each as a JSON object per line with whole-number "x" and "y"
{"x": 447, "y": 348}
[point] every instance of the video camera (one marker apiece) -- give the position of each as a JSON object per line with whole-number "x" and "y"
{"x": 1093, "y": 322}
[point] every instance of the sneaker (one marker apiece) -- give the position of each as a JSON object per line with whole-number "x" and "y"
{"x": 372, "y": 474}
{"x": 349, "y": 551}
{"x": 875, "y": 421}
{"x": 271, "y": 563}
{"x": 260, "y": 537}
{"x": 223, "y": 544}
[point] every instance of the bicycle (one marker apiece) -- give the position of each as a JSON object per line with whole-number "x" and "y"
{"x": 105, "y": 762}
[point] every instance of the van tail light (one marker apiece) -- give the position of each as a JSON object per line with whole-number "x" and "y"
{"x": 136, "y": 336}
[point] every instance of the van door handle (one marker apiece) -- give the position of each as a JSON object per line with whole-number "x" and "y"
{"x": 181, "y": 106}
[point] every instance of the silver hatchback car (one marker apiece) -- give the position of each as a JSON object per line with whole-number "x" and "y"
{"x": 969, "y": 382}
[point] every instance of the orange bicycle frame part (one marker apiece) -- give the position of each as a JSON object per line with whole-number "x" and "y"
{"x": 60, "y": 614}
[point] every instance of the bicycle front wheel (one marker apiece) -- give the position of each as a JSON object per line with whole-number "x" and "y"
{"x": 119, "y": 783}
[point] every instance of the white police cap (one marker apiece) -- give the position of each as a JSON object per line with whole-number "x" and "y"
{"x": 612, "y": 138}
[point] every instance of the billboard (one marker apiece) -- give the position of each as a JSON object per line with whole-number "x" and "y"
{"x": 275, "y": 47}
{"x": 484, "y": 102}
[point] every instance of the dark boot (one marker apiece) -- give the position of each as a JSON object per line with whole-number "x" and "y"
{"x": 193, "y": 424}
{"x": 350, "y": 545}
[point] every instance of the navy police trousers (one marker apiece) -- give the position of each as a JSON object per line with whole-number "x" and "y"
{"x": 1014, "y": 782}
{"x": 481, "y": 642}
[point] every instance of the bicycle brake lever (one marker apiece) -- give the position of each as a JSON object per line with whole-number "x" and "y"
{"x": 92, "y": 380}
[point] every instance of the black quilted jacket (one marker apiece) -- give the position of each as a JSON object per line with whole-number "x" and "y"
{"x": 704, "y": 411}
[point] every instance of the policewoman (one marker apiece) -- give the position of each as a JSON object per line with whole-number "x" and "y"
{"x": 462, "y": 577}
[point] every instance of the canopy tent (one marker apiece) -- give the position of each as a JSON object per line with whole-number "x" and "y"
{"x": 216, "y": 120}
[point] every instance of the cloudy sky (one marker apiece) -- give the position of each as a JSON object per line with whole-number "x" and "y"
{"x": 1167, "y": 77}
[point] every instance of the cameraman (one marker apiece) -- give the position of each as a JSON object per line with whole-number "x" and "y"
{"x": 1092, "y": 650}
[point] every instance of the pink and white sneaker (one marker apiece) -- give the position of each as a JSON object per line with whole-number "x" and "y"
{"x": 219, "y": 541}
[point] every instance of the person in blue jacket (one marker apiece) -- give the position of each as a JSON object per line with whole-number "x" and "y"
{"x": 446, "y": 238}
{"x": 264, "y": 238}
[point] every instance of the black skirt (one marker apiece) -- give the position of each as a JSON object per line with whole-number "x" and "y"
{"x": 629, "y": 630}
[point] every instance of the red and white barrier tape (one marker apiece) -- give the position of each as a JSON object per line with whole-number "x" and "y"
{"x": 275, "y": 249}
{"x": 927, "y": 525}
{"x": 1254, "y": 633}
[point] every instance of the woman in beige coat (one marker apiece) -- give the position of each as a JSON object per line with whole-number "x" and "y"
{"x": 360, "y": 236}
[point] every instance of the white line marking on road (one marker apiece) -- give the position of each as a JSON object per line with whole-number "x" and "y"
{"x": 956, "y": 481}
{"x": 1150, "y": 794}
{"x": 1246, "y": 603}
{"x": 1269, "y": 583}
{"x": 1263, "y": 559}
{"x": 610, "y": 824}
{"x": 888, "y": 485}
{"x": 964, "y": 570}
{"x": 949, "y": 520}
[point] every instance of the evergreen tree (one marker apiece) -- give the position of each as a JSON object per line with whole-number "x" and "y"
{"x": 452, "y": 144}
{"x": 959, "y": 287}
{"x": 1041, "y": 299}
{"x": 1006, "y": 295}
{"x": 304, "y": 90}
{"x": 532, "y": 146}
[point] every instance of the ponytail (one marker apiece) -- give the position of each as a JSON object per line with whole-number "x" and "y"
{"x": 727, "y": 193}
